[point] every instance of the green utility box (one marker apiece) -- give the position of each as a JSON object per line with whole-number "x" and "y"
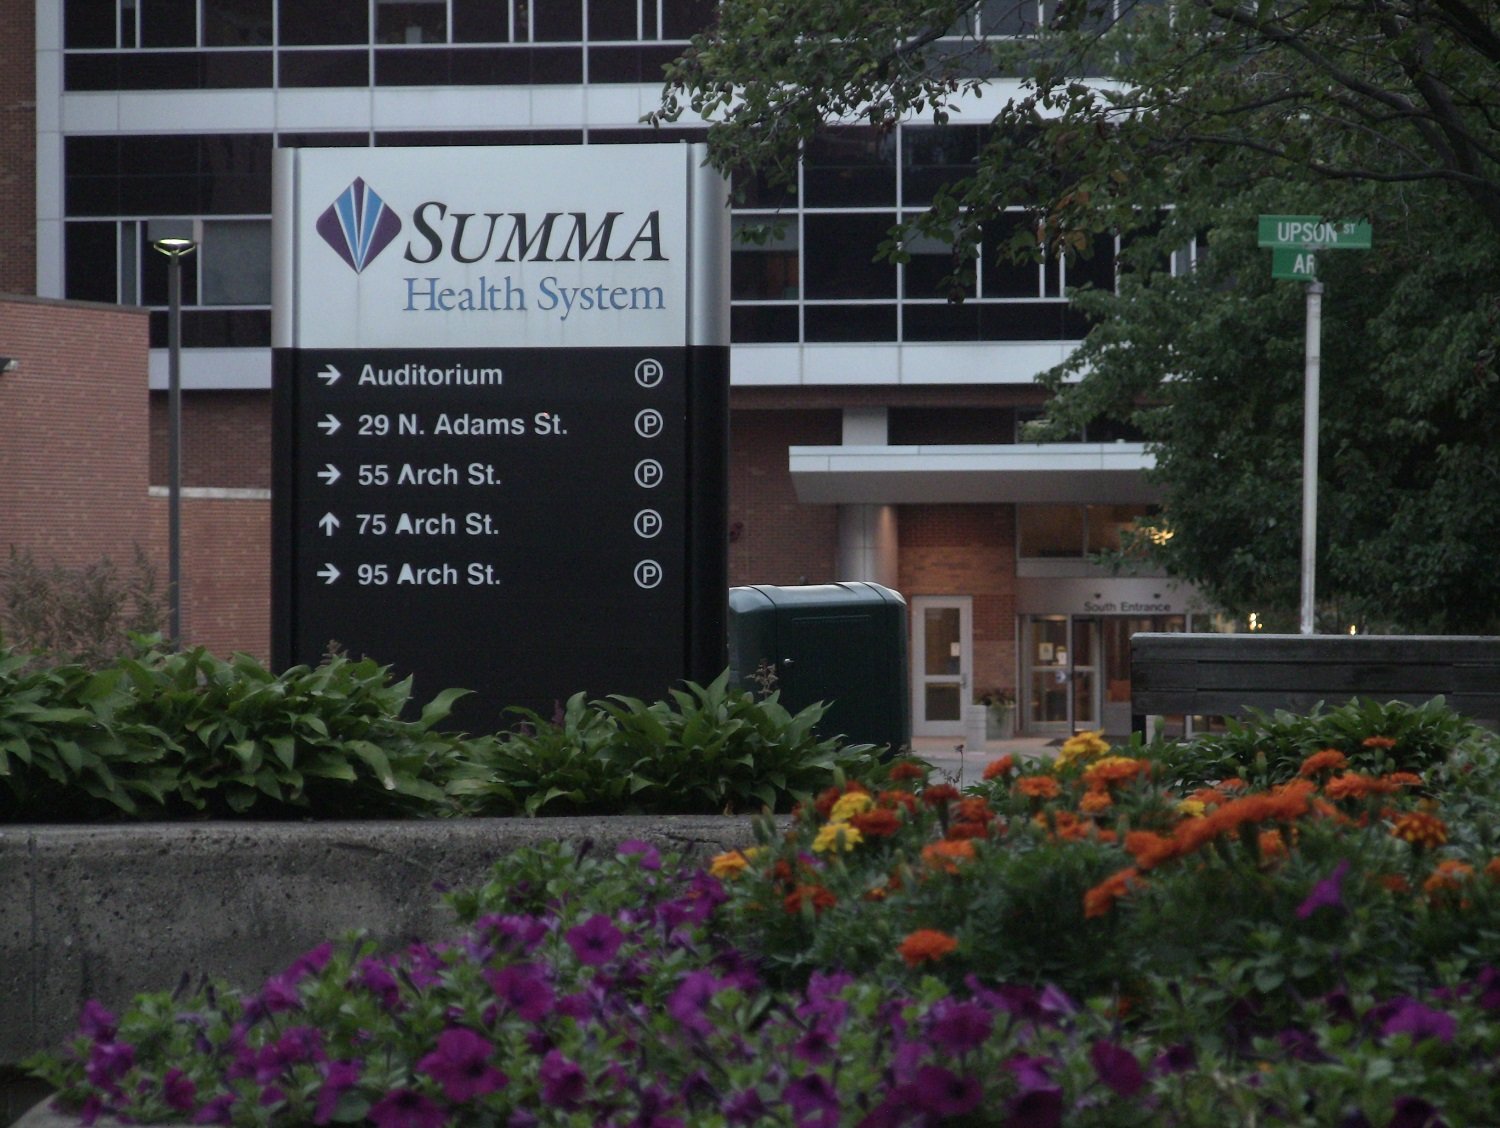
{"x": 842, "y": 644}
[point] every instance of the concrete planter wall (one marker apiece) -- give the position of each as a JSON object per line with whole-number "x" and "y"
{"x": 110, "y": 912}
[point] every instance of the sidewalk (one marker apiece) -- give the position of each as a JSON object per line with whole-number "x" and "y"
{"x": 964, "y": 763}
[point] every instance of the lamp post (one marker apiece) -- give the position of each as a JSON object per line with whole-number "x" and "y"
{"x": 175, "y": 239}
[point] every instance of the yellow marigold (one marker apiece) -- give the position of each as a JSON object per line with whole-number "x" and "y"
{"x": 854, "y": 803}
{"x": 1421, "y": 829}
{"x": 836, "y": 838}
{"x": 926, "y": 945}
{"x": 1191, "y": 808}
{"x": 1039, "y": 787}
{"x": 1082, "y": 746}
{"x": 734, "y": 862}
{"x": 1328, "y": 760}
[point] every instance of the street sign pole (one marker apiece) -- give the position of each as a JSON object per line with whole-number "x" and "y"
{"x": 1312, "y": 376}
{"x": 1296, "y": 242}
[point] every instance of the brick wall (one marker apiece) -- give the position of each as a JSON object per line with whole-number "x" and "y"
{"x": 226, "y": 439}
{"x": 17, "y": 149}
{"x": 75, "y": 453}
{"x": 967, "y": 550}
{"x": 73, "y": 449}
{"x": 774, "y": 538}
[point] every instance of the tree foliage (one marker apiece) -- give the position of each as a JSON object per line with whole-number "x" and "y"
{"x": 1213, "y": 112}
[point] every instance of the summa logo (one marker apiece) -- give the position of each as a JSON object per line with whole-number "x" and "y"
{"x": 358, "y": 225}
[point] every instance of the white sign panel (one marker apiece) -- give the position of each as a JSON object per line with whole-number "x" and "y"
{"x": 486, "y": 247}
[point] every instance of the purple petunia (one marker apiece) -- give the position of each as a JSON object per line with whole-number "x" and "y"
{"x": 1117, "y": 1067}
{"x": 178, "y": 1090}
{"x": 97, "y": 1023}
{"x": 406, "y": 1108}
{"x": 338, "y": 1078}
{"x": 1420, "y": 1022}
{"x": 522, "y": 987}
{"x": 108, "y": 1062}
{"x": 959, "y": 1026}
{"x": 813, "y": 1099}
{"x": 595, "y": 941}
{"x": 563, "y": 1082}
{"x": 1414, "y": 1112}
{"x": 941, "y": 1092}
{"x": 1326, "y": 894}
{"x": 216, "y": 1110}
{"x": 693, "y": 994}
{"x": 461, "y": 1065}
{"x": 649, "y": 856}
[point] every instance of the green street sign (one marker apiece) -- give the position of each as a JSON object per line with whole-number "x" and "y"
{"x": 1287, "y": 262}
{"x": 1312, "y": 232}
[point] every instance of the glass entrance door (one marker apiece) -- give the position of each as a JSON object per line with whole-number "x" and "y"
{"x": 942, "y": 645}
{"x": 1062, "y": 674}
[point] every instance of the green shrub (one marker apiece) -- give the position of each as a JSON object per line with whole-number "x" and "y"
{"x": 1375, "y": 736}
{"x": 709, "y": 749}
{"x": 162, "y": 735}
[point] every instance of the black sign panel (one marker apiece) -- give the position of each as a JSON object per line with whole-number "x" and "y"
{"x": 525, "y": 523}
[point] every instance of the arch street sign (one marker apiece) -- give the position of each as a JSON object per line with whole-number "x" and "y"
{"x": 501, "y": 418}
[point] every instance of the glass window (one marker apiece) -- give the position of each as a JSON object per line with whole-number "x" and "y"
{"x": 1097, "y": 270}
{"x": 1001, "y": 276}
{"x": 931, "y": 271}
{"x": 850, "y": 167}
{"x": 89, "y": 260}
{"x": 765, "y": 267}
{"x": 616, "y": 19}
{"x": 89, "y": 23}
{"x": 411, "y": 21}
{"x": 237, "y": 23}
{"x": 932, "y": 156}
{"x": 833, "y": 323}
{"x": 682, "y": 19}
{"x": 839, "y": 261}
{"x": 169, "y": 23}
{"x": 1008, "y": 17}
{"x": 551, "y": 21}
{"x": 314, "y": 22}
{"x": 481, "y": 21}
{"x": 236, "y": 262}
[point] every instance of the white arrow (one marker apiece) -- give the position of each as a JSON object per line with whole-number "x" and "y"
{"x": 328, "y": 573}
{"x": 330, "y": 375}
{"x": 328, "y": 522}
{"x": 329, "y": 424}
{"x": 330, "y": 474}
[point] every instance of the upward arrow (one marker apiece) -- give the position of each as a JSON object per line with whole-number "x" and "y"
{"x": 328, "y": 522}
{"x": 330, "y": 375}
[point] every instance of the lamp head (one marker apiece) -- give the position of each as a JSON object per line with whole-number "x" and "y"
{"x": 175, "y": 237}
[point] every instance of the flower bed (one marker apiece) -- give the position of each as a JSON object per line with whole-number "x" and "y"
{"x": 1104, "y": 940}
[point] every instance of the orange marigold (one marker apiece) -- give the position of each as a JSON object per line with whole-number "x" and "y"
{"x": 1150, "y": 849}
{"x": 817, "y": 896}
{"x": 1394, "y": 883}
{"x": 1404, "y": 779}
{"x": 1101, "y": 898}
{"x": 1328, "y": 760}
{"x": 946, "y": 854}
{"x": 908, "y": 769}
{"x": 1272, "y": 845}
{"x": 1001, "y": 767}
{"x": 1039, "y": 787}
{"x": 940, "y": 794}
{"x": 975, "y": 808}
{"x": 882, "y": 822}
{"x": 1095, "y": 801}
{"x": 1114, "y": 769}
{"x": 1379, "y": 742}
{"x": 967, "y": 828}
{"x": 926, "y": 945}
{"x": 1492, "y": 869}
{"x": 1422, "y": 830}
{"x": 1449, "y": 874}
{"x": 902, "y": 799}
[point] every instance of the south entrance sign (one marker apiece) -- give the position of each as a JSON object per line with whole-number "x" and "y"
{"x": 501, "y": 388}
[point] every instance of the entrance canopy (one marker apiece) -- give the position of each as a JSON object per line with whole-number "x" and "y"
{"x": 1029, "y": 473}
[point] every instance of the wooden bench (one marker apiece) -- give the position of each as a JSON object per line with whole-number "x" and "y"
{"x": 1223, "y": 675}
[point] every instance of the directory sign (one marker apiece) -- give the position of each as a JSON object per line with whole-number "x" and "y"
{"x": 501, "y": 399}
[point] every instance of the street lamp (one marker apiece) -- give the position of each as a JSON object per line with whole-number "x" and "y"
{"x": 174, "y": 238}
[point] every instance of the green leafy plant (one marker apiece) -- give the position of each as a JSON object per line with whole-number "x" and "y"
{"x": 170, "y": 734}
{"x": 708, "y": 749}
